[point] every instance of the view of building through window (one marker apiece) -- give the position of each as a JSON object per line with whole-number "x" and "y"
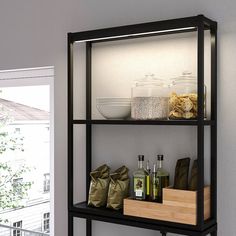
{"x": 25, "y": 159}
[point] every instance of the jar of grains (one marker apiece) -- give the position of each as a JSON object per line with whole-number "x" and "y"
{"x": 183, "y": 97}
{"x": 149, "y": 99}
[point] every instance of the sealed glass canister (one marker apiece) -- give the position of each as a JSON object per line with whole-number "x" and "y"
{"x": 183, "y": 97}
{"x": 149, "y": 99}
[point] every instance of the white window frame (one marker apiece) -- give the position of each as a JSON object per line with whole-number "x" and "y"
{"x": 34, "y": 77}
{"x": 44, "y": 219}
{"x": 17, "y": 232}
{"x": 46, "y": 183}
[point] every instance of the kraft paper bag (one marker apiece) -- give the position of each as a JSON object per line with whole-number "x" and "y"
{"x": 118, "y": 188}
{"x": 193, "y": 178}
{"x": 99, "y": 186}
{"x": 181, "y": 174}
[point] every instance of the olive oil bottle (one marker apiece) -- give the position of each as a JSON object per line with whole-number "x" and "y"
{"x": 140, "y": 180}
{"x": 148, "y": 181}
{"x": 161, "y": 179}
{"x": 155, "y": 184}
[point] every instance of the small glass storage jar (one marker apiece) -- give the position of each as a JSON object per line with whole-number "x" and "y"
{"x": 183, "y": 97}
{"x": 149, "y": 99}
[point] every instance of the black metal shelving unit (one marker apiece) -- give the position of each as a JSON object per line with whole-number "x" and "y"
{"x": 196, "y": 23}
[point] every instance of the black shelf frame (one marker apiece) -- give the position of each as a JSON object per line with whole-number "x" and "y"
{"x": 145, "y": 122}
{"x": 197, "y": 23}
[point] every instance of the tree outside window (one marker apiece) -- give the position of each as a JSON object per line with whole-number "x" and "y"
{"x": 12, "y": 187}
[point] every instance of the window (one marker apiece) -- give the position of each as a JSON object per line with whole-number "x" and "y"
{"x": 46, "y": 183}
{"x": 16, "y": 232}
{"x": 17, "y": 130}
{"x": 17, "y": 183}
{"x": 30, "y": 123}
{"x": 46, "y": 222}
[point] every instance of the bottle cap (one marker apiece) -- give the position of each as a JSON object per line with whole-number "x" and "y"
{"x": 141, "y": 157}
{"x": 148, "y": 166}
{"x": 154, "y": 168}
{"x": 160, "y": 157}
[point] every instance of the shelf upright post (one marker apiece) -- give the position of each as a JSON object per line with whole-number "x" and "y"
{"x": 70, "y": 121}
{"x": 88, "y": 116}
{"x": 200, "y": 126}
{"x": 70, "y": 130}
{"x": 70, "y": 224}
{"x": 88, "y": 129}
{"x": 213, "y": 31}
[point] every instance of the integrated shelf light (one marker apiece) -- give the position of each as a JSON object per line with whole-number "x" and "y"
{"x": 137, "y": 34}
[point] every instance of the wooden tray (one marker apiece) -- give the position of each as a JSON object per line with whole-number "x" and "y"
{"x": 178, "y": 206}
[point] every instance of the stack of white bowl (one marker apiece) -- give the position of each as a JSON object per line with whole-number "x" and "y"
{"x": 114, "y": 108}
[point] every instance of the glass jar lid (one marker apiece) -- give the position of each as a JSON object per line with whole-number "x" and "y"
{"x": 186, "y": 77}
{"x": 149, "y": 81}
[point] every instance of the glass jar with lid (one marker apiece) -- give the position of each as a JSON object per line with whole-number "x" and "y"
{"x": 149, "y": 99}
{"x": 183, "y": 97}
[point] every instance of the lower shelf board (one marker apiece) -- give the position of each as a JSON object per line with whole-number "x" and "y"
{"x": 81, "y": 210}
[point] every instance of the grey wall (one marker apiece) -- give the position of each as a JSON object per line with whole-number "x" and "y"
{"x": 33, "y": 33}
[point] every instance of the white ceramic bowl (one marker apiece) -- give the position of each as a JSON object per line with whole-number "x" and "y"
{"x": 117, "y": 111}
{"x": 113, "y": 100}
{"x": 115, "y": 103}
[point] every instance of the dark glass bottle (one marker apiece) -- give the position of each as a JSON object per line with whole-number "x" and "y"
{"x": 154, "y": 184}
{"x": 148, "y": 181}
{"x": 162, "y": 177}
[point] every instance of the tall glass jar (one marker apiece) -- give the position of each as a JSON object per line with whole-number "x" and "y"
{"x": 149, "y": 99}
{"x": 183, "y": 97}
